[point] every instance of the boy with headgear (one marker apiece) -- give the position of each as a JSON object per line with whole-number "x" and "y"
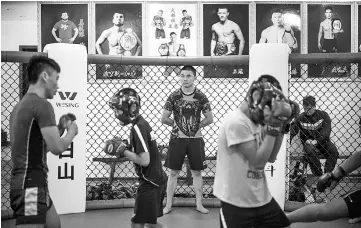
{"x": 248, "y": 138}
{"x": 143, "y": 151}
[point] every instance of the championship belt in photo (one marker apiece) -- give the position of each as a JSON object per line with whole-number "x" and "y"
{"x": 336, "y": 25}
{"x": 232, "y": 49}
{"x": 221, "y": 48}
{"x": 128, "y": 41}
{"x": 288, "y": 38}
{"x": 181, "y": 51}
{"x": 163, "y": 50}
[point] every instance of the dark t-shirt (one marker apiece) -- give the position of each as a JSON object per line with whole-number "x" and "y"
{"x": 28, "y": 148}
{"x": 316, "y": 126}
{"x": 187, "y": 113}
{"x": 65, "y": 30}
{"x": 142, "y": 141}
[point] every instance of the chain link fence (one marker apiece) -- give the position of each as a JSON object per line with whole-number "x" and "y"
{"x": 336, "y": 87}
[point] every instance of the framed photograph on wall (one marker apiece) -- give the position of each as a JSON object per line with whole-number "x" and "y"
{"x": 280, "y": 23}
{"x": 172, "y": 32}
{"x": 225, "y": 33}
{"x": 329, "y": 31}
{"x": 359, "y": 29}
{"x": 359, "y": 35}
{"x": 118, "y": 32}
{"x": 63, "y": 23}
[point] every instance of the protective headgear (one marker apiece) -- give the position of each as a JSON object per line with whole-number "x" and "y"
{"x": 123, "y": 103}
{"x": 267, "y": 92}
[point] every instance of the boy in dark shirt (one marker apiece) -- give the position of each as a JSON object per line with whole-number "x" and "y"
{"x": 315, "y": 128}
{"x": 143, "y": 151}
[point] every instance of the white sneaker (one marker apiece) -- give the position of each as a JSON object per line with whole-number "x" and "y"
{"x": 354, "y": 220}
{"x": 309, "y": 196}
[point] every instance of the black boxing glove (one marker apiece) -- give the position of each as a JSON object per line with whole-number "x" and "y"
{"x": 63, "y": 121}
{"x": 326, "y": 180}
{"x": 115, "y": 147}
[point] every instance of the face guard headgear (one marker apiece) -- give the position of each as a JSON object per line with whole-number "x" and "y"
{"x": 267, "y": 92}
{"x": 122, "y": 103}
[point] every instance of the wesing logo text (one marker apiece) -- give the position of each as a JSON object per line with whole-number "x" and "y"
{"x": 67, "y": 100}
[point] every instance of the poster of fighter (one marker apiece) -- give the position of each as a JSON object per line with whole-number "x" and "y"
{"x": 172, "y": 32}
{"x": 63, "y": 23}
{"x": 280, "y": 23}
{"x": 359, "y": 36}
{"x": 225, "y": 33}
{"x": 329, "y": 31}
{"x": 359, "y": 29}
{"x": 118, "y": 32}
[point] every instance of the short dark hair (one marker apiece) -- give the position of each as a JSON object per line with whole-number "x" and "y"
{"x": 191, "y": 68}
{"x": 222, "y": 7}
{"x": 329, "y": 8}
{"x": 173, "y": 33}
{"x": 119, "y": 13}
{"x": 39, "y": 64}
{"x": 183, "y": 11}
{"x": 277, "y": 10}
{"x": 309, "y": 100}
{"x": 270, "y": 79}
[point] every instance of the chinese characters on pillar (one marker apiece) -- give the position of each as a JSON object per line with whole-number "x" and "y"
{"x": 271, "y": 169}
{"x": 63, "y": 171}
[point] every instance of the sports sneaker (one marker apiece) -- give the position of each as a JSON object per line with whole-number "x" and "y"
{"x": 354, "y": 220}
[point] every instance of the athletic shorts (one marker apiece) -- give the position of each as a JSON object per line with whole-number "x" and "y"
{"x": 353, "y": 201}
{"x": 330, "y": 45}
{"x": 180, "y": 147}
{"x": 268, "y": 216}
{"x": 148, "y": 203}
{"x": 30, "y": 205}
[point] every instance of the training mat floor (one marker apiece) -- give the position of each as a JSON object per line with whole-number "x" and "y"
{"x": 180, "y": 217}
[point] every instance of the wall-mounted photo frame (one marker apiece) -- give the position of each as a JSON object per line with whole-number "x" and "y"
{"x": 66, "y": 22}
{"x": 118, "y": 32}
{"x": 280, "y": 23}
{"x": 359, "y": 28}
{"x": 225, "y": 33}
{"x": 359, "y": 34}
{"x": 172, "y": 31}
{"x": 329, "y": 31}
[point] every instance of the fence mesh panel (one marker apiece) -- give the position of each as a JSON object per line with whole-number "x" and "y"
{"x": 336, "y": 88}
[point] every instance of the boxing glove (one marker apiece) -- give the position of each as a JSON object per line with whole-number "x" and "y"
{"x": 275, "y": 117}
{"x": 64, "y": 119}
{"x": 295, "y": 112}
{"x": 325, "y": 181}
{"x": 116, "y": 147}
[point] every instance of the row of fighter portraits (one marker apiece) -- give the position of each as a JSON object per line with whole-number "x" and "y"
{"x": 172, "y": 29}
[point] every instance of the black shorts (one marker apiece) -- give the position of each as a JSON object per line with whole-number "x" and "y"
{"x": 268, "y": 216}
{"x": 30, "y": 205}
{"x": 330, "y": 45}
{"x": 353, "y": 201}
{"x": 148, "y": 203}
{"x": 180, "y": 147}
